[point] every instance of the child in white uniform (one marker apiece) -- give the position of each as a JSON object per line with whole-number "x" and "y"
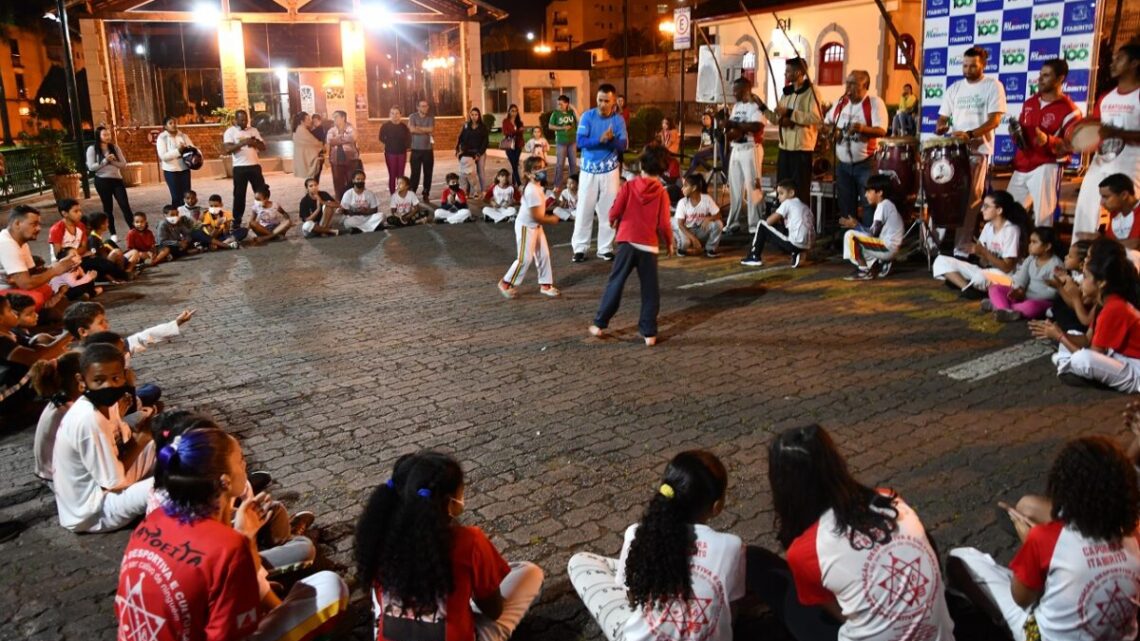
{"x": 568, "y": 199}
{"x": 529, "y": 236}
{"x": 878, "y": 245}
{"x": 795, "y": 233}
{"x": 697, "y": 224}
{"x": 998, "y": 248}
{"x": 453, "y": 203}
{"x": 501, "y": 199}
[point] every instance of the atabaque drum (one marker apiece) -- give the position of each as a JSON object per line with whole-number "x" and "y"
{"x": 897, "y": 157}
{"x": 946, "y": 180}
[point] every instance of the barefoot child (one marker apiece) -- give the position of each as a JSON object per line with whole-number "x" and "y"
{"x": 501, "y": 199}
{"x": 697, "y": 226}
{"x": 318, "y": 211}
{"x": 568, "y": 199}
{"x": 529, "y": 236}
{"x": 270, "y": 222}
{"x": 453, "y": 203}
{"x": 1031, "y": 294}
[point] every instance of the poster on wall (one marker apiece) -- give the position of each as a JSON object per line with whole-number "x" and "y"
{"x": 1019, "y": 36}
{"x": 308, "y": 99}
{"x": 334, "y": 100}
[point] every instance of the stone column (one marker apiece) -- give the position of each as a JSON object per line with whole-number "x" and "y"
{"x": 473, "y": 64}
{"x": 231, "y": 52}
{"x": 98, "y": 72}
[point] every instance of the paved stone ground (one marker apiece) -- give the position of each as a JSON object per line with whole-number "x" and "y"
{"x": 330, "y": 358}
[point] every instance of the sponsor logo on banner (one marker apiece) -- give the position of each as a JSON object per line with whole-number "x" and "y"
{"x": 1031, "y": 88}
{"x": 987, "y": 26}
{"x": 934, "y": 62}
{"x": 937, "y": 33}
{"x": 1079, "y": 18}
{"x": 954, "y": 62}
{"x": 1003, "y": 149}
{"x": 1076, "y": 52}
{"x": 933, "y": 89}
{"x": 1077, "y": 85}
{"x": 962, "y": 30}
{"x": 937, "y": 8}
{"x": 1047, "y": 21}
{"x": 994, "y": 51}
{"x": 929, "y": 118}
{"x": 989, "y": 5}
{"x": 1014, "y": 57}
{"x": 961, "y": 7}
{"x": 1016, "y": 24}
{"x": 1014, "y": 84}
{"x": 1043, "y": 50}
{"x": 1017, "y": 4}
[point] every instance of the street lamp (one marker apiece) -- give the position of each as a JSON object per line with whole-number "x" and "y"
{"x": 542, "y": 48}
{"x": 530, "y": 36}
{"x": 667, "y": 26}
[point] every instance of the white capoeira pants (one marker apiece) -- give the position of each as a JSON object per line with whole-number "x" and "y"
{"x": 1041, "y": 187}
{"x": 364, "y": 223}
{"x": 532, "y": 248}
{"x": 743, "y": 170}
{"x": 594, "y": 578}
{"x": 563, "y": 213}
{"x": 313, "y": 601}
{"x": 453, "y": 217}
{"x": 995, "y": 581}
{"x": 596, "y": 193}
{"x": 1117, "y": 371}
{"x": 977, "y": 277}
{"x": 499, "y": 214}
{"x": 1089, "y": 213}
{"x": 861, "y": 249}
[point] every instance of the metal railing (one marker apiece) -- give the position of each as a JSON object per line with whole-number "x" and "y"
{"x": 22, "y": 174}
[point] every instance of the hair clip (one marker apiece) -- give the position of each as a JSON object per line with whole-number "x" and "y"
{"x": 666, "y": 490}
{"x": 424, "y": 492}
{"x": 390, "y": 484}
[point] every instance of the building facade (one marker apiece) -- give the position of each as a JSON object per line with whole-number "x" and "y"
{"x": 27, "y": 56}
{"x": 570, "y": 23}
{"x": 534, "y": 81}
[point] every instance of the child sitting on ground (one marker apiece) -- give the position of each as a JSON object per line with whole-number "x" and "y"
{"x": 78, "y": 284}
{"x": 141, "y": 239}
{"x": 16, "y": 359}
{"x": 568, "y": 199}
{"x": 1030, "y": 294}
{"x": 875, "y": 247}
{"x": 190, "y": 207}
{"x": 100, "y": 243}
{"x": 791, "y": 228}
{"x": 28, "y": 318}
{"x": 530, "y": 238}
{"x": 501, "y": 199}
{"x": 538, "y": 145}
{"x": 85, "y": 318}
{"x": 71, "y": 231}
{"x": 453, "y": 203}
{"x": 668, "y": 561}
{"x": 997, "y": 249}
{"x": 317, "y": 210}
{"x": 270, "y": 222}
{"x": 697, "y": 225}
{"x": 406, "y": 207}
{"x": 1070, "y": 310}
{"x": 360, "y": 207}
{"x": 58, "y": 381}
{"x": 214, "y": 227}
{"x": 174, "y": 233}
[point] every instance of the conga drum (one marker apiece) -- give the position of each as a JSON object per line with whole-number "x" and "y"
{"x": 946, "y": 180}
{"x": 897, "y": 157}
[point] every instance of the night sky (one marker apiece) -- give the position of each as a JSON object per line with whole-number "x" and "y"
{"x": 525, "y": 14}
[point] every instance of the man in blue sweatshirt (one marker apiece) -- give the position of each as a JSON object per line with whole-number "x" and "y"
{"x": 602, "y": 138}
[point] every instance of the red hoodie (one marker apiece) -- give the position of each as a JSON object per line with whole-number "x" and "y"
{"x": 641, "y": 211}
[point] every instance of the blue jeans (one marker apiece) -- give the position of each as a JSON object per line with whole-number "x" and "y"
{"x": 568, "y": 151}
{"x": 513, "y": 159}
{"x": 627, "y": 259}
{"x": 178, "y": 182}
{"x": 850, "y": 181}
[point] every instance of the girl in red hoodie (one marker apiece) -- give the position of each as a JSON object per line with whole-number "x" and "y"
{"x": 640, "y": 214}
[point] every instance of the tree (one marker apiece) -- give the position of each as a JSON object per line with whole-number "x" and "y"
{"x": 640, "y": 44}
{"x": 503, "y": 37}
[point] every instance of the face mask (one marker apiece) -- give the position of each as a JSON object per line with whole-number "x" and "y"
{"x": 173, "y": 220}
{"x": 215, "y": 210}
{"x": 540, "y": 176}
{"x": 107, "y": 396}
{"x": 359, "y": 185}
{"x": 453, "y": 185}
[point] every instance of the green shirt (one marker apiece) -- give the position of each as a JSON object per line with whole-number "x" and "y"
{"x": 562, "y": 119}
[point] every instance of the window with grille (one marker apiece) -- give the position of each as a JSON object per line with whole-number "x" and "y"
{"x": 904, "y": 53}
{"x": 831, "y": 58}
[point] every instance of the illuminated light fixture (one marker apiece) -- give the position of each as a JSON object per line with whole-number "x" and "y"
{"x": 667, "y": 26}
{"x": 530, "y": 36}
{"x": 373, "y": 15}
{"x": 542, "y": 48}
{"x": 432, "y": 64}
{"x": 140, "y": 49}
{"x": 207, "y": 14}
{"x": 25, "y": 111}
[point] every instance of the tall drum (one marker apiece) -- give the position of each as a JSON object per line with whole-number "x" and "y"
{"x": 946, "y": 180}
{"x": 897, "y": 157}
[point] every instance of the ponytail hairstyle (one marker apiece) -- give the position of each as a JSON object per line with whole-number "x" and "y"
{"x": 190, "y": 469}
{"x": 1013, "y": 212}
{"x": 58, "y": 380}
{"x": 657, "y": 566}
{"x": 808, "y": 477}
{"x": 697, "y": 181}
{"x": 1108, "y": 264}
{"x": 167, "y": 425}
{"x": 403, "y": 537}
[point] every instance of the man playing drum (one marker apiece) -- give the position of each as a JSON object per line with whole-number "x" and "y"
{"x": 973, "y": 108}
{"x": 1041, "y": 150}
{"x": 1119, "y": 152}
{"x": 859, "y": 120}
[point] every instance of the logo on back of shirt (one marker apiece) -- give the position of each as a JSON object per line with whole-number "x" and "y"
{"x": 1107, "y": 608}
{"x": 694, "y": 620}
{"x": 900, "y": 578}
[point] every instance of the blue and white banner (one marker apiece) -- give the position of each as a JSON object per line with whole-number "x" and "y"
{"x": 1019, "y": 35}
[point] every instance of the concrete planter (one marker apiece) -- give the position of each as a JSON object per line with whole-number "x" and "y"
{"x": 132, "y": 174}
{"x": 66, "y": 186}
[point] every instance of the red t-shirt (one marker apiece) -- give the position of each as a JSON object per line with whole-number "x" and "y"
{"x": 142, "y": 241}
{"x": 1123, "y": 226}
{"x": 477, "y": 569}
{"x": 59, "y": 235}
{"x": 1054, "y": 118}
{"x": 182, "y": 582}
{"x": 1117, "y": 327}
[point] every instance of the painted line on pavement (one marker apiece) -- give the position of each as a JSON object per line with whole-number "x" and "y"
{"x": 999, "y": 361}
{"x": 743, "y": 274}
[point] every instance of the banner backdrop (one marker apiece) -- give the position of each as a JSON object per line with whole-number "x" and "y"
{"x": 1019, "y": 35}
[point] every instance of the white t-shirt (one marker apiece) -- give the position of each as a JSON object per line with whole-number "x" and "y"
{"x": 14, "y": 258}
{"x": 569, "y": 199}
{"x": 857, "y": 148}
{"x": 717, "y": 573}
{"x": 799, "y": 221}
{"x": 888, "y": 592}
{"x": 403, "y": 205}
{"x": 1004, "y": 243}
{"x": 533, "y": 196}
{"x": 893, "y": 228}
{"x": 502, "y": 196}
{"x": 747, "y": 112}
{"x": 44, "y": 444}
{"x": 969, "y": 105}
{"x": 267, "y": 216}
{"x": 1122, "y": 224}
{"x": 689, "y": 214}
{"x": 351, "y": 201}
{"x": 1121, "y": 111}
{"x": 246, "y": 156}
{"x": 86, "y": 463}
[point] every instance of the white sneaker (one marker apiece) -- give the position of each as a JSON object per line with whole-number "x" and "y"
{"x": 552, "y": 291}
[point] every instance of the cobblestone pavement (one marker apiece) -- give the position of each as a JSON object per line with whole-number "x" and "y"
{"x": 330, "y": 358}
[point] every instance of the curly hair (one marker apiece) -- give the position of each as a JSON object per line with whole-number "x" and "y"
{"x": 657, "y": 566}
{"x": 808, "y": 477}
{"x": 404, "y": 535}
{"x": 1093, "y": 487}
{"x": 1108, "y": 264}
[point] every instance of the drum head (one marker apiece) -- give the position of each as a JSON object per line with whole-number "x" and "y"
{"x": 1084, "y": 137}
{"x": 898, "y": 141}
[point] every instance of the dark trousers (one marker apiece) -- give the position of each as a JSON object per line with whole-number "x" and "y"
{"x": 513, "y": 156}
{"x": 114, "y": 188}
{"x": 795, "y": 166}
{"x": 700, "y": 157}
{"x": 764, "y": 236}
{"x": 244, "y": 178}
{"x": 850, "y": 183}
{"x": 178, "y": 182}
{"x": 396, "y": 164}
{"x": 104, "y": 269}
{"x": 342, "y": 175}
{"x": 768, "y": 577}
{"x": 422, "y": 159}
{"x": 626, "y": 260}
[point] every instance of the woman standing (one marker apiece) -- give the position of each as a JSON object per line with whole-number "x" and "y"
{"x": 513, "y": 140}
{"x": 105, "y": 161}
{"x": 307, "y": 149}
{"x": 396, "y": 138}
{"x": 473, "y": 141}
{"x": 171, "y": 144}
{"x": 342, "y": 152}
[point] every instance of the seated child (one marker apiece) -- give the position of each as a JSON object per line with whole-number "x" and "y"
{"x": 501, "y": 199}
{"x": 28, "y": 318}
{"x": 85, "y": 318}
{"x": 190, "y": 207}
{"x": 71, "y": 231}
{"x": 877, "y": 246}
{"x": 453, "y": 203}
{"x": 1070, "y": 309}
{"x": 790, "y": 228}
{"x": 697, "y": 225}
{"x": 318, "y": 211}
{"x": 997, "y": 249}
{"x": 58, "y": 381}
{"x": 174, "y": 233}
{"x": 16, "y": 360}
{"x": 141, "y": 239}
{"x": 538, "y": 145}
{"x": 215, "y": 227}
{"x": 360, "y": 207}
{"x": 77, "y": 284}
{"x": 1030, "y": 295}
{"x": 100, "y": 243}
{"x": 568, "y": 199}
{"x": 669, "y": 561}
{"x": 270, "y": 222}
{"x": 405, "y": 206}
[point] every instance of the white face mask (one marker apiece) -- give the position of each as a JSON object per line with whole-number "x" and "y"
{"x": 215, "y": 210}
{"x": 173, "y": 220}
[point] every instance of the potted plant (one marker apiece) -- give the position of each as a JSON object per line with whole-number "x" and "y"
{"x": 54, "y": 163}
{"x": 225, "y": 117}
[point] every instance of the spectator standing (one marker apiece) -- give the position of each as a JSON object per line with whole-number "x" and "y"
{"x": 245, "y": 144}
{"x": 396, "y": 138}
{"x": 564, "y": 122}
{"x": 170, "y": 144}
{"x": 513, "y": 140}
{"x": 105, "y": 162}
{"x": 342, "y": 153}
{"x": 473, "y": 142}
{"x": 423, "y": 157}
{"x": 308, "y": 150}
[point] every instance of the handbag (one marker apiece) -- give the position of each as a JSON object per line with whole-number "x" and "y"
{"x": 507, "y": 143}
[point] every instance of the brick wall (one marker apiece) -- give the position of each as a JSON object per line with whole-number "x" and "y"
{"x": 368, "y": 132}
{"x": 137, "y": 145}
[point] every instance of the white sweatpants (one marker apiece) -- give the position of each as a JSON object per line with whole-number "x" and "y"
{"x": 312, "y": 602}
{"x": 1089, "y": 213}
{"x": 563, "y": 213}
{"x": 453, "y": 217}
{"x": 532, "y": 248}
{"x": 978, "y": 277}
{"x": 121, "y": 507}
{"x": 1041, "y": 187}
{"x": 1117, "y": 371}
{"x": 364, "y": 223}
{"x": 499, "y": 214}
{"x": 594, "y": 578}
{"x": 743, "y": 171}
{"x": 596, "y": 193}
{"x": 995, "y": 581}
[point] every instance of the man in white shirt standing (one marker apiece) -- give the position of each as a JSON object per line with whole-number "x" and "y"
{"x": 973, "y": 108}
{"x": 745, "y": 132}
{"x": 859, "y": 120}
{"x": 244, "y": 143}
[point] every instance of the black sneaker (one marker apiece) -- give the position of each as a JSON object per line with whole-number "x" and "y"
{"x": 579, "y": 257}
{"x": 795, "y": 259}
{"x": 752, "y": 261}
{"x": 711, "y": 253}
{"x": 971, "y": 294}
{"x": 885, "y": 268}
{"x": 608, "y": 256}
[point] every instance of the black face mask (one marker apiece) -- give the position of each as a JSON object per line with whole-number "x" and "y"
{"x": 453, "y": 186}
{"x": 107, "y": 396}
{"x": 358, "y": 185}
{"x": 540, "y": 176}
